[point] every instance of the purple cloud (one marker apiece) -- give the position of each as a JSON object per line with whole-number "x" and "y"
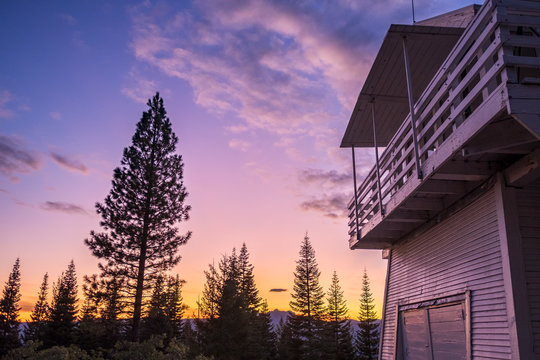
{"x": 15, "y": 158}
{"x": 5, "y": 98}
{"x": 69, "y": 163}
{"x": 278, "y": 290}
{"x": 332, "y": 205}
{"x": 64, "y": 207}
{"x": 322, "y": 176}
{"x": 278, "y": 67}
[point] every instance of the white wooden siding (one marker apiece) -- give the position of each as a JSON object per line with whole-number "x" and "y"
{"x": 460, "y": 253}
{"x": 529, "y": 220}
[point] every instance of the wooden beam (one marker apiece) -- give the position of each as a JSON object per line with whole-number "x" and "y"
{"x": 430, "y": 204}
{"x": 524, "y": 171}
{"x": 469, "y": 167}
{"x": 441, "y": 187}
{"x": 517, "y": 307}
{"x": 459, "y": 177}
{"x": 407, "y": 216}
{"x": 383, "y": 98}
{"x": 499, "y": 137}
{"x": 368, "y": 243}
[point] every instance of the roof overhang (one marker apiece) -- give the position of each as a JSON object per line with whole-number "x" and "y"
{"x": 386, "y": 85}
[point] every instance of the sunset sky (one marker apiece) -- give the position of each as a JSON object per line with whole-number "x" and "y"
{"x": 259, "y": 94}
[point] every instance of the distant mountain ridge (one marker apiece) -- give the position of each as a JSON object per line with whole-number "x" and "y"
{"x": 277, "y": 315}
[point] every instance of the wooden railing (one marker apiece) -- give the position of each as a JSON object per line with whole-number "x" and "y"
{"x": 500, "y": 46}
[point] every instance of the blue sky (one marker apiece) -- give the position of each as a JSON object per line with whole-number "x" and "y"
{"x": 259, "y": 93}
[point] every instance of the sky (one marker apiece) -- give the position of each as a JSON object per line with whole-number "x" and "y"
{"x": 259, "y": 93}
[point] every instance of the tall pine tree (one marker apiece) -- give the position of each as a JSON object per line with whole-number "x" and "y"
{"x": 141, "y": 213}
{"x": 308, "y": 304}
{"x": 35, "y": 329}
{"x": 248, "y": 290}
{"x": 339, "y": 341}
{"x": 63, "y": 314}
{"x": 236, "y": 322}
{"x": 174, "y": 304}
{"x": 367, "y": 338}
{"x": 9, "y": 311}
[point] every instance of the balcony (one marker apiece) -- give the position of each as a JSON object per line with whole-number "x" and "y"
{"x": 475, "y": 94}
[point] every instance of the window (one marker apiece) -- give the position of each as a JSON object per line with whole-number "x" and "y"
{"x": 433, "y": 330}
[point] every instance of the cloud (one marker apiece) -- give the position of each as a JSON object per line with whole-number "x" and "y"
{"x": 4, "y": 191}
{"x": 276, "y": 66}
{"x": 240, "y": 144}
{"x": 15, "y": 158}
{"x": 69, "y": 163}
{"x": 5, "y": 98}
{"x": 140, "y": 89}
{"x": 63, "y": 207}
{"x": 278, "y": 290}
{"x": 331, "y": 205}
{"x": 68, "y": 19}
{"x": 55, "y": 115}
{"x": 319, "y": 176}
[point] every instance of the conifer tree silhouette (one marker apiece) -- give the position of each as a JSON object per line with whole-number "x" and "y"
{"x": 9, "y": 311}
{"x": 140, "y": 216}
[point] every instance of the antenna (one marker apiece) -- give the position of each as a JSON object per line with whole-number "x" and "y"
{"x": 413, "y": 19}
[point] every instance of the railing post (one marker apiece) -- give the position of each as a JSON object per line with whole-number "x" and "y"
{"x": 377, "y": 159}
{"x": 355, "y": 195}
{"x": 411, "y": 107}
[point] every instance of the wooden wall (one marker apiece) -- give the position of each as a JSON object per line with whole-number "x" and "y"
{"x": 460, "y": 253}
{"x": 528, "y": 200}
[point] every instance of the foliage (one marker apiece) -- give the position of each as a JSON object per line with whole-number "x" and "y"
{"x": 9, "y": 311}
{"x": 35, "y": 329}
{"x": 61, "y": 326}
{"x": 166, "y": 308}
{"x": 308, "y": 303}
{"x": 99, "y": 326}
{"x": 32, "y": 351}
{"x": 338, "y": 338}
{"x": 367, "y": 340}
{"x": 154, "y": 348}
{"x": 236, "y": 324}
{"x": 141, "y": 213}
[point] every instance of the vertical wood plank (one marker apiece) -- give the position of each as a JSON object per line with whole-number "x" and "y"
{"x": 513, "y": 271}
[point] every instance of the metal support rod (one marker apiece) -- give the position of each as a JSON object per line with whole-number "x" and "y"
{"x": 355, "y": 195}
{"x": 379, "y": 195}
{"x": 411, "y": 108}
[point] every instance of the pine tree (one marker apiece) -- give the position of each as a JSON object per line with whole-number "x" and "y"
{"x": 189, "y": 338}
{"x": 156, "y": 322}
{"x": 93, "y": 297}
{"x": 91, "y": 331}
{"x": 100, "y": 325}
{"x": 113, "y": 304}
{"x": 231, "y": 327}
{"x": 211, "y": 293}
{"x": 112, "y": 308}
{"x": 283, "y": 336}
{"x": 308, "y": 303}
{"x": 338, "y": 344}
{"x": 63, "y": 314}
{"x": 9, "y": 311}
{"x": 174, "y": 306}
{"x": 367, "y": 340}
{"x": 248, "y": 290}
{"x": 35, "y": 329}
{"x": 263, "y": 338}
{"x": 141, "y": 213}
{"x": 235, "y": 325}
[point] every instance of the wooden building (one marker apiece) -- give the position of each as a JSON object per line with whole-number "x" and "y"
{"x": 454, "y": 199}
